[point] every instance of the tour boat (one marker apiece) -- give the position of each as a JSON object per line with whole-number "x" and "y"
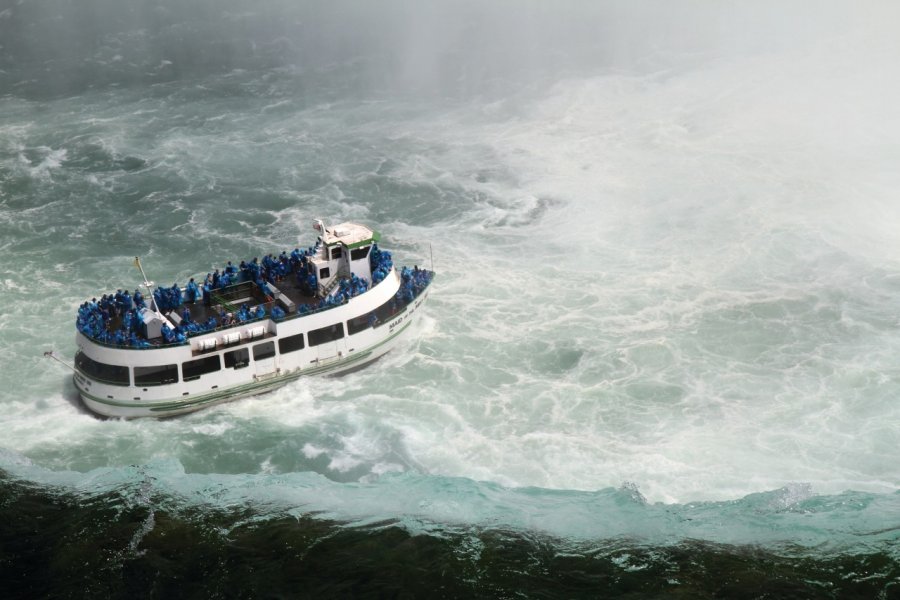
{"x": 330, "y": 308}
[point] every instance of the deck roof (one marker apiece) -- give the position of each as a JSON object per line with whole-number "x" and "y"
{"x": 352, "y": 235}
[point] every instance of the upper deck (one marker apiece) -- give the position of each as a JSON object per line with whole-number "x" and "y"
{"x": 226, "y": 303}
{"x": 344, "y": 263}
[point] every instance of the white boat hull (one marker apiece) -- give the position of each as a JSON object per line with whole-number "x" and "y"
{"x": 352, "y": 351}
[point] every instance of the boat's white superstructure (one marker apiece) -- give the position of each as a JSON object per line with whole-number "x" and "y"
{"x": 320, "y": 330}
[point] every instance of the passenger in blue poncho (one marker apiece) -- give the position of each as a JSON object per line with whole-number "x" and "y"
{"x": 137, "y": 342}
{"x": 193, "y": 292}
{"x": 240, "y": 316}
{"x": 175, "y": 298}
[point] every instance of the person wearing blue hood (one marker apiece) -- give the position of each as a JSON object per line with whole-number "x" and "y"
{"x": 193, "y": 291}
{"x": 177, "y": 300}
{"x": 207, "y": 291}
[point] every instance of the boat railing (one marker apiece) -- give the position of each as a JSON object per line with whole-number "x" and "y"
{"x": 231, "y": 297}
{"x": 268, "y": 309}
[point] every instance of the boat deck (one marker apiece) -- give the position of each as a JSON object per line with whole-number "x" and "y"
{"x": 113, "y": 321}
{"x": 225, "y": 303}
{"x": 287, "y": 294}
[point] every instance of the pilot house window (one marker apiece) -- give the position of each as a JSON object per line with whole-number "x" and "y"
{"x": 359, "y": 253}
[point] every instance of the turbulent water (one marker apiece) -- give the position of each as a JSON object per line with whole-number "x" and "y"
{"x": 661, "y": 357}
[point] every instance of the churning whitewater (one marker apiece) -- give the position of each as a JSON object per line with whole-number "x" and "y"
{"x": 669, "y": 295}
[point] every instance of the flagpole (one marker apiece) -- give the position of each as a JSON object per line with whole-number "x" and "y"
{"x": 148, "y": 284}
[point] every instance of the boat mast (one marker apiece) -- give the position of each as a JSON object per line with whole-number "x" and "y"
{"x": 147, "y": 284}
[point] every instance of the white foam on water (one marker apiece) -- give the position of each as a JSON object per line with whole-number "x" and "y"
{"x": 681, "y": 277}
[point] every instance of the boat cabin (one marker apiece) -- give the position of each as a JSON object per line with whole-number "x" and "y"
{"x": 344, "y": 251}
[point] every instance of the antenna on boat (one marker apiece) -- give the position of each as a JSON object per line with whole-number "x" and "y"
{"x": 147, "y": 284}
{"x": 431, "y": 251}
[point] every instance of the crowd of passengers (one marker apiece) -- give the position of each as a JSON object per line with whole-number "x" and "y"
{"x": 270, "y": 270}
{"x": 412, "y": 282}
{"x": 95, "y": 317}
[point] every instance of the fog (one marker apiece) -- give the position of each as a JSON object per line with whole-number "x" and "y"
{"x": 450, "y": 48}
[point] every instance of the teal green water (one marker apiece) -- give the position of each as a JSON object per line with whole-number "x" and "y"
{"x": 666, "y": 304}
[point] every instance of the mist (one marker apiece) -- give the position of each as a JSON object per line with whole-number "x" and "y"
{"x": 457, "y": 48}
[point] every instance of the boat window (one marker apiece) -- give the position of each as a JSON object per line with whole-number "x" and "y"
{"x": 237, "y": 359}
{"x": 193, "y": 369}
{"x": 386, "y": 311}
{"x": 114, "y": 374}
{"x": 324, "y": 273}
{"x": 264, "y": 351}
{"x": 335, "y": 252}
{"x": 158, "y": 375}
{"x": 326, "y": 334}
{"x": 359, "y": 253}
{"x": 291, "y": 343}
{"x": 360, "y": 323}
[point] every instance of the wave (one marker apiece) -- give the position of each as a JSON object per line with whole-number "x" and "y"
{"x": 792, "y": 519}
{"x": 131, "y": 539}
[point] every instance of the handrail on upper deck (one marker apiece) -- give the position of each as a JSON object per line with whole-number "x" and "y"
{"x": 287, "y": 317}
